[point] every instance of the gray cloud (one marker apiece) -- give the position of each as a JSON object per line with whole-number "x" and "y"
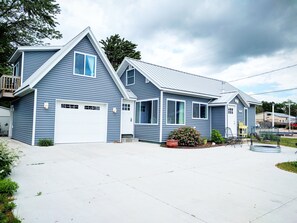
{"x": 236, "y": 30}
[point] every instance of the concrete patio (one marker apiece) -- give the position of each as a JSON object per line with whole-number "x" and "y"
{"x": 142, "y": 182}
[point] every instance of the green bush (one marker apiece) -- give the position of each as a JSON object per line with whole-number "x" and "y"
{"x": 8, "y": 187}
{"x": 6, "y": 208}
{"x": 8, "y": 157}
{"x": 186, "y": 136}
{"x": 217, "y": 137}
{"x": 45, "y": 142}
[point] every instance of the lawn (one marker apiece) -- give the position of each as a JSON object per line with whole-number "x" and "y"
{"x": 291, "y": 142}
{"x": 288, "y": 166}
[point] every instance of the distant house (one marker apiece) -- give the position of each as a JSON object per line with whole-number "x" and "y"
{"x": 279, "y": 118}
{"x": 72, "y": 94}
{"x": 168, "y": 99}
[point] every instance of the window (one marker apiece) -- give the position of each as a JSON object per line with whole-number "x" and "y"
{"x": 91, "y": 107}
{"x": 175, "y": 112}
{"x": 230, "y": 111}
{"x": 126, "y": 107}
{"x": 245, "y": 116}
{"x": 70, "y": 106}
{"x": 16, "y": 70}
{"x": 199, "y": 110}
{"x": 147, "y": 112}
{"x": 130, "y": 77}
{"x": 84, "y": 64}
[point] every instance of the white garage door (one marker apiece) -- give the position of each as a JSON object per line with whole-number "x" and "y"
{"x": 80, "y": 122}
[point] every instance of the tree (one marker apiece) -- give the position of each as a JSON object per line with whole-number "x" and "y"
{"x": 116, "y": 49}
{"x": 25, "y": 22}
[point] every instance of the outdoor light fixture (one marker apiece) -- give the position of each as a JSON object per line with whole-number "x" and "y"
{"x": 45, "y": 105}
{"x": 114, "y": 110}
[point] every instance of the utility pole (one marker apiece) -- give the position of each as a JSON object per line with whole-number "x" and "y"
{"x": 289, "y": 115}
{"x": 272, "y": 114}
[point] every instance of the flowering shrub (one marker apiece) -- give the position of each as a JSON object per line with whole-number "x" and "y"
{"x": 186, "y": 136}
{"x": 217, "y": 137}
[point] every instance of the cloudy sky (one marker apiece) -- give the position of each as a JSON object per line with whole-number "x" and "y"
{"x": 226, "y": 39}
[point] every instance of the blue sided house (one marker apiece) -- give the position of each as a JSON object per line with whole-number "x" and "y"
{"x": 167, "y": 99}
{"x": 72, "y": 94}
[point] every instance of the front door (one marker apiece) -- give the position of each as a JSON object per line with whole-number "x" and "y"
{"x": 128, "y": 117}
{"x": 232, "y": 119}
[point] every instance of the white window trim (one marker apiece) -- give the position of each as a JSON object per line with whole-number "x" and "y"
{"x": 245, "y": 110}
{"x": 153, "y": 99}
{"x": 175, "y": 100}
{"x": 85, "y": 54}
{"x": 203, "y": 103}
{"x": 127, "y": 76}
{"x": 13, "y": 71}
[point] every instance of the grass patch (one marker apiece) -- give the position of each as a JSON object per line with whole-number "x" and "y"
{"x": 291, "y": 142}
{"x": 288, "y": 166}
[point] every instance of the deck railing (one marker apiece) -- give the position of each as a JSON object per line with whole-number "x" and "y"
{"x": 9, "y": 83}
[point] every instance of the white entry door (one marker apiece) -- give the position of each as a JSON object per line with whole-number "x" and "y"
{"x": 128, "y": 117}
{"x": 80, "y": 122}
{"x": 232, "y": 119}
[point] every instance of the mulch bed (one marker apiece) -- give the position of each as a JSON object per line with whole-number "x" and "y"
{"x": 206, "y": 146}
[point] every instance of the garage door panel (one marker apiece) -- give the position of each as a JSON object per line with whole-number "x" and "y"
{"x": 80, "y": 122}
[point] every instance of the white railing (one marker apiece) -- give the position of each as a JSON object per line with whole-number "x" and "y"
{"x": 9, "y": 83}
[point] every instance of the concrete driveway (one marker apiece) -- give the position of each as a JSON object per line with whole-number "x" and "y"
{"x": 142, "y": 182}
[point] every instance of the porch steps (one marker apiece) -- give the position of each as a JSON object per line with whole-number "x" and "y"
{"x": 128, "y": 138}
{"x": 125, "y": 140}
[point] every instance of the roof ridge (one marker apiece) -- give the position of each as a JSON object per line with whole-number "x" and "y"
{"x": 168, "y": 68}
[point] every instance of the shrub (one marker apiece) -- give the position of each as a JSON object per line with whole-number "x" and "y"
{"x": 186, "y": 136}
{"x": 8, "y": 157}
{"x": 7, "y": 186}
{"x": 217, "y": 137}
{"x": 45, "y": 142}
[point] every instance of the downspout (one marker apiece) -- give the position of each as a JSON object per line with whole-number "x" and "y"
{"x": 161, "y": 117}
{"x": 34, "y": 116}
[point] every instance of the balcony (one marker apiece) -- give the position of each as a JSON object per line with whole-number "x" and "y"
{"x": 8, "y": 85}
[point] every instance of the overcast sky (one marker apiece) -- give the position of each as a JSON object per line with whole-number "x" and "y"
{"x": 220, "y": 39}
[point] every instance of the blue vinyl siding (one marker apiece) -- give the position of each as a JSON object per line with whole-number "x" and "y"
{"x": 23, "y": 118}
{"x": 33, "y": 60}
{"x": 60, "y": 83}
{"x": 218, "y": 119}
{"x": 251, "y": 117}
{"x": 203, "y": 126}
{"x": 145, "y": 91}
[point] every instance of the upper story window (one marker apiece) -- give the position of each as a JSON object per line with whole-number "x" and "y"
{"x": 84, "y": 64}
{"x": 130, "y": 77}
{"x": 16, "y": 70}
{"x": 199, "y": 110}
{"x": 175, "y": 112}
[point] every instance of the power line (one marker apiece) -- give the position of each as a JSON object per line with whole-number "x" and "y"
{"x": 267, "y": 72}
{"x": 268, "y": 92}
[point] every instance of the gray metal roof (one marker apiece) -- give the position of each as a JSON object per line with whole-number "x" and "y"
{"x": 225, "y": 98}
{"x": 173, "y": 80}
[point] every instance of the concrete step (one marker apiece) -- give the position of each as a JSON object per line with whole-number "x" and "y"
{"x": 124, "y": 140}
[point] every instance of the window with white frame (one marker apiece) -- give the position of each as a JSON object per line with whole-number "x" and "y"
{"x": 199, "y": 110}
{"x": 84, "y": 64}
{"x": 175, "y": 112}
{"x": 147, "y": 112}
{"x": 130, "y": 77}
{"x": 16, "y": 70}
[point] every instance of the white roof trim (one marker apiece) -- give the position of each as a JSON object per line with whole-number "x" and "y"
{"x": 21, "y": 49}
{"x": 51, "y": 62}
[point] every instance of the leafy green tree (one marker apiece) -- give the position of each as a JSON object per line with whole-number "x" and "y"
{"x": 117, "y": 48}
{"x": 25, "y": 22}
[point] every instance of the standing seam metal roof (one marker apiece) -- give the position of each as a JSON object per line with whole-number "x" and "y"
{"x": 167, "y": 78}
